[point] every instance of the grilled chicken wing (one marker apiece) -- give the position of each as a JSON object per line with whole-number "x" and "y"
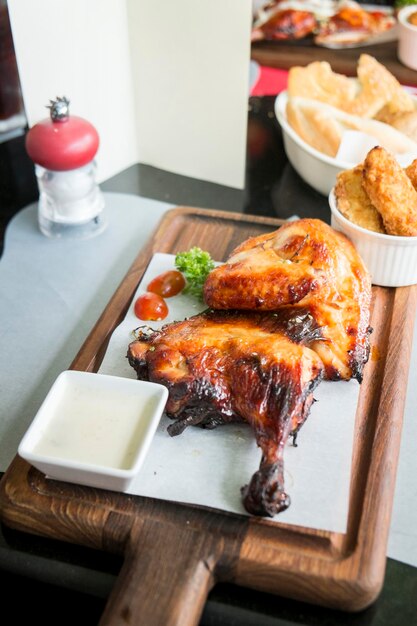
{"x": 391, "y": 191}
{"x": 305, "y": 264}
{"x": 226, "y": 366}
{"x": 353, "y": 201}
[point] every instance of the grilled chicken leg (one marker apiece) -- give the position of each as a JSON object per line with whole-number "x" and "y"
{"x": 225, "y": 366}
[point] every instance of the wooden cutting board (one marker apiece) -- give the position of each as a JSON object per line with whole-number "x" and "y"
{"x": 174, "y": 554}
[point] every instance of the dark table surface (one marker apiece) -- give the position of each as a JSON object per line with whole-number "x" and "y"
{"x": 66, "y": 584}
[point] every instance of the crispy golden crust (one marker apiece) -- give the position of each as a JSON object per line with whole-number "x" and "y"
{"x": 411, "y": 172}
{"x": 319, "y": 82}
{"x": 391, "y": 192}
{"x": 316, "y": 128}
{"x": 354, "y": 203}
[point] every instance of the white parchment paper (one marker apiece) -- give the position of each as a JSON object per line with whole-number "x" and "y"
{"x": 208, "y": 467}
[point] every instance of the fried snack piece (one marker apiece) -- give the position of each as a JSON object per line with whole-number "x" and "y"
{"x": 375, "y": 90}
{"x": 391, "y": 192}
{"x": 351, "y": 24}
{"x": 319, "y": 82}
{"x": 379, "y": 89}
{"x": 411, "y": 172}
{"x": 353, "y": 201}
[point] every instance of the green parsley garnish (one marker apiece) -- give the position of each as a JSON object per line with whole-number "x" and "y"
{"x": 196, "y": 264}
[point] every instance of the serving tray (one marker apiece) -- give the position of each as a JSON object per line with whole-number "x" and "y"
{"x": 174, "y": 554}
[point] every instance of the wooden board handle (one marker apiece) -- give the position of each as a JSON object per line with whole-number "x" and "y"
{"x": 165, "y": 578}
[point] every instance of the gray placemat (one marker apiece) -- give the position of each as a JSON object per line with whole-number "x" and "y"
{"x": 51, "y": 293}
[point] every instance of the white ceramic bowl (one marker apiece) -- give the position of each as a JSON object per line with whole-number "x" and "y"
{"x": 316, "y": 168}
{"x": 407, "y": 37}
{"x": 94, "y": 429}
{"x": 391, "y": 260}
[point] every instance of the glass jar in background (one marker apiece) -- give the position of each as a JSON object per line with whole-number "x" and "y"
{"x": 70, "y": 203}
{"x": 63, "y": 148}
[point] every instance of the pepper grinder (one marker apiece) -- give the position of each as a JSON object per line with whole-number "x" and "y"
{"x": 63, "y": 148}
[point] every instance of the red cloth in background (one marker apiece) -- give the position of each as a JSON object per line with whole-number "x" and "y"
{"x": 270, "y": 82}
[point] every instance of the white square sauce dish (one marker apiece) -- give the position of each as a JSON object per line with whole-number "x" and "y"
{"x": 94, "y": 429}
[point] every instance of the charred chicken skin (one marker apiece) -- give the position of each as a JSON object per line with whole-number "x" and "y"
{"x": 287, "y": 309}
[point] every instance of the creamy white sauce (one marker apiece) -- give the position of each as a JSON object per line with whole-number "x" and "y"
{"x": 104, "y": 429}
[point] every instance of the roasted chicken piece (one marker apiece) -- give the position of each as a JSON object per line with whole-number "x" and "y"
{"x": 227, "y": 366}
{"x": 353, "y": 201}
{"x": 287, "y": 24}
{"x": 353, "y": 24}
{"x": 309, "y": 265}
{"x": 307, "y": 296}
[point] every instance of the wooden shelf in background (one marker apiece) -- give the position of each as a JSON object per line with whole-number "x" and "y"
{"x": 277, "y": 54}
